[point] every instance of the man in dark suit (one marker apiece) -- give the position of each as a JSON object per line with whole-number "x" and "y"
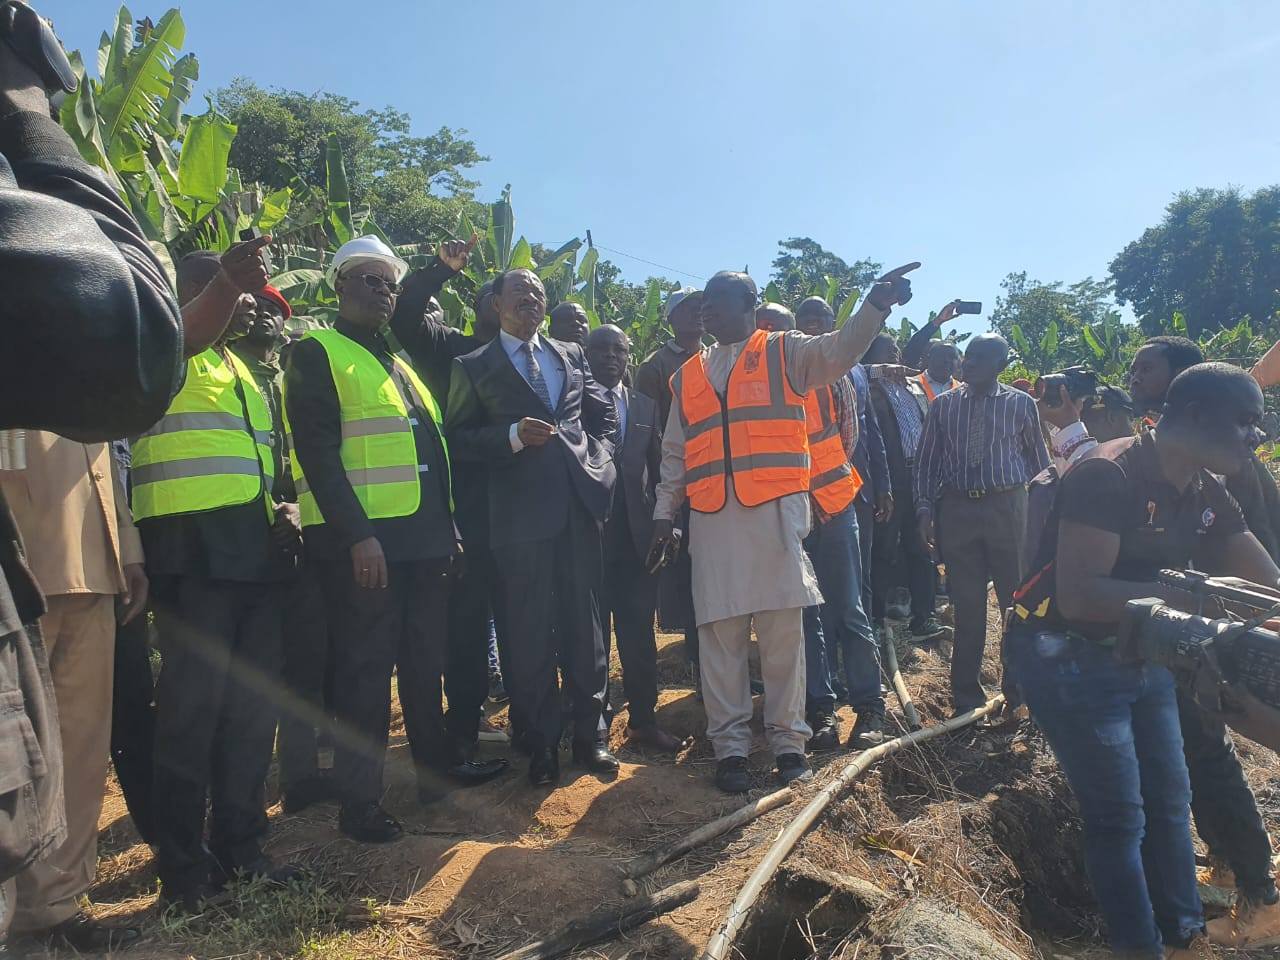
{"x": 528, "y": 407}
{"x": 630, "y": 590}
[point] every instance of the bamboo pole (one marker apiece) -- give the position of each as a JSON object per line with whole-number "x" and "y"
{"x": 607, "y": 923}
{"x": 895, "y": 677}
{"x": 645, "y": 863}
{"x": 722, "y": 942}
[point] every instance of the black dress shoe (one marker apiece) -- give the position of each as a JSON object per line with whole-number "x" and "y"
{"x": 594, "y": 757}
{"x": 264, "y": 868}
{"x": 471, "y": 773}
{"x": 193, "y": 900}
{"x": 368, "y": 823}
{"x": 544, "y": 767}
{"x": 84, "y": 934}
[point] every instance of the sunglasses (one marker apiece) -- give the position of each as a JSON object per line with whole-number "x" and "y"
{"x": 375, "y": 282}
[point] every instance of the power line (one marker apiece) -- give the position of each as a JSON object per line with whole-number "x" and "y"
{"x": 652, "y": 263}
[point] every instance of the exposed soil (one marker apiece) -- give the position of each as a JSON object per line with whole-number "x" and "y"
{"x": 980, "y": 821}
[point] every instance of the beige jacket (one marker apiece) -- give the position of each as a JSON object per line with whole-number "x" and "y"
{"x": 74, "y": 517}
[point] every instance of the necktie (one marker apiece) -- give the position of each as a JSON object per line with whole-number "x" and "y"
{"x": 535, "y": 375}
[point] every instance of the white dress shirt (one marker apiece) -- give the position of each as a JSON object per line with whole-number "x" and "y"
{"x": 548, "y": 362}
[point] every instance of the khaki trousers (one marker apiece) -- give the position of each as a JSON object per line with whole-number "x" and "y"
{"x": 79, "y": 633}
{"x": 724, "y": 646}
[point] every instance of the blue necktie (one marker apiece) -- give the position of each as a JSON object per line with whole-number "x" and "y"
{"x": 535, "y": 375}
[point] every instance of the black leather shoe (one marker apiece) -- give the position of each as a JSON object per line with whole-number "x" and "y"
{"x": 368, "y": 823}
{"x": 263, "y": 868}
{"x": 84, "y": 934}
{"x": 732, "y": 775}
{"x": 793, "y": 768}
{"x": 826, "y": 735}
{"x": 193, "y": 900}
{"x": 868, "y": 731}
{"x": 304, "y": 793}
{"x": 471, "y": 773}
{"x": 544, "y": 767}
{"x": 594, "y": 757}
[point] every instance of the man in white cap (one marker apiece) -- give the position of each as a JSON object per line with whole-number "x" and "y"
{"x": 372, "y": 472}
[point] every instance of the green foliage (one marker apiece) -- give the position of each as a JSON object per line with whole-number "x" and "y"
{"x": 1213, "y": 259}
{"x": 414, "y": 187}
{"x": 1055, "y": 325}
{"x": 803, "y": 268}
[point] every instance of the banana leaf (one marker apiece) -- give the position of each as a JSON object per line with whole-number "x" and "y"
{"x": 1049, "y": 342}
{"x": 521, "y": 256}
{"x": 1091, "y": 340}
{"x": 202, "y": 164}
{"x": 118, "y": 46}
{"x": 772, "y": 293}
{"x": 340, "y": 225}
{"x": 1020, "y": 341}
{"x": 587, "y": 275}
{"x": 846, "y": 308}
{"x": 129, "y": 107}
{"x": 186, "y": 71}
{"x": 502, "y": 225}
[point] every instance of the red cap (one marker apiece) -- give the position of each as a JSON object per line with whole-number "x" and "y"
{"x": 1022, "y": 383}
{"x": 274, "y": 295}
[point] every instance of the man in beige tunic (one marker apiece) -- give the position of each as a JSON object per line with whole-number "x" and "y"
{"x": 749, "y": 567}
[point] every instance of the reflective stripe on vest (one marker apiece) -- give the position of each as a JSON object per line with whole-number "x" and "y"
{"x": 202, "y": 454}
{"x": 923, "y": 380}
{"x": 832, "y": 480}
{"x": 378, "y": 450}
{"x": 761, "y": 420}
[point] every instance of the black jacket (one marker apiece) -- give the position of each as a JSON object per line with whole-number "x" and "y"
{"x": 529, "y": 491}
{"x": 639, "y": 465}
{"x": 92, "y": 332}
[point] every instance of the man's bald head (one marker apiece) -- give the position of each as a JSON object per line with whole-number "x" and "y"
{"x": 985, "y": 357}
{"x": 608, "y": 349}
{"x": 569, "y": 323}
{"x": 941, "y": 360}
{"x": 1212, "y": 411}
{"x": 814, "y": 316}
{"x": 729, "y": 306}
{"x": 774, "y": 316}
{"x": 883, "y": 349}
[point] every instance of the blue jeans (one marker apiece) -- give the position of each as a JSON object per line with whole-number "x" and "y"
{"x": 841, "y": 621}
{"x": 1114, "y": 729}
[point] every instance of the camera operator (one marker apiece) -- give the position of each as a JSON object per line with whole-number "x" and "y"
{"x": 1127, "y": 509}
{"x": 93, "y": 346}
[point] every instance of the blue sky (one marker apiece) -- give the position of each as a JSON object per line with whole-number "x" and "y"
{"x": 977, "y": 137}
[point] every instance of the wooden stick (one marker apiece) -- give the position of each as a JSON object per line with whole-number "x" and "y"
{"x": 899, "y": 685}
{"x": 607, "y": 923}
{"x": 646, "y": 863}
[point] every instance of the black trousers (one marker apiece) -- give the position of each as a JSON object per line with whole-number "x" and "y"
{"x": 216, "y": 703}
{"x": 1224, "y": 807}
{"x": 466, "y": 671}
{"x": 549, "y": 593}
{"x": 307, "y": 712}
{"x": 133, "y": 722}
{"x": 898, "y": 555}
{"x": 375, "y": 631}
{"x": 629, "y": 598}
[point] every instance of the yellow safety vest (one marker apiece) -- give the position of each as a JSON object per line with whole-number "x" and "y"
{"x": 378, "y": 449}
{"x": 211, "y": 449}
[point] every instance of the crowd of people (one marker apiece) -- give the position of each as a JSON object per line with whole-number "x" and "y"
{"x": 290, "y": 522}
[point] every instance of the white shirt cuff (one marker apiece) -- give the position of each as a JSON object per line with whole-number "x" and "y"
{"x": 516, "y": 443}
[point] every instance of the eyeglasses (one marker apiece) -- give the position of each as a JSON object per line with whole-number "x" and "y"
{"x": 374, "y": 282}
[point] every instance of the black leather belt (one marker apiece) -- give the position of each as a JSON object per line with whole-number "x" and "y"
{"x": 980, "y": 494}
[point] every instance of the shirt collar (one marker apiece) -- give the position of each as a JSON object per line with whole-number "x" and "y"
{"x": 371, "y": 340}
{"x": 512, "y": 344}
{"x": 994, "y": 391}
{"x": 674, "y": 346}
{"x": 619, "y": 391}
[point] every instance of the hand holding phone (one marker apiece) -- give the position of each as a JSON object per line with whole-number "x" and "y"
{"x": 967, "y": 306}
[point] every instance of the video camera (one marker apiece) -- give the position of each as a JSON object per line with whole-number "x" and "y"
{"x": 1224, "y": 640}
{"x": 1079, "y": 381}
{"x": 30, "y": 37}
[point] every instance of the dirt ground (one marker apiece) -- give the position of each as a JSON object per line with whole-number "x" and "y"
{"x": 979, "y": 820}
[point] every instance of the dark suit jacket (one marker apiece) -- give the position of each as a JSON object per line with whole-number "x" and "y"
{"x": 639, "y": 465}
{"x": 529, "y": 491}
{"x": 899, "y": 470}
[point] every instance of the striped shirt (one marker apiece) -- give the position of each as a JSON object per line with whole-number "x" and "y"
{"x": 973, "y": 442}
{"x": 907, "y": 405}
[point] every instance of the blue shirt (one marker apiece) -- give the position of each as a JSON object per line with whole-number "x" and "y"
{"x": 548, "y": 362}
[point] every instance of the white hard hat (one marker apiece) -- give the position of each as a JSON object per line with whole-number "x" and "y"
{"x": 364, "y": 249}
{"x": 676, "y": 297}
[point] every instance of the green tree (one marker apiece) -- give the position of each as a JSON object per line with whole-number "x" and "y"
{"x": 804, "y": 268}
{"x": 1054, "y": 325}
{"x": 1214, "y": 258}
{"x": 415, "y": 188}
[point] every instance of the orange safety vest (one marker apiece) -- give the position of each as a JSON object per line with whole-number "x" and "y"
{"x": 833, "y": 481}
{"x": 923, "y": 380}
{"x": 761, "y": 420}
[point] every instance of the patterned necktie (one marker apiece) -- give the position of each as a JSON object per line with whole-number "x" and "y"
{"x": 535, "y": 375}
